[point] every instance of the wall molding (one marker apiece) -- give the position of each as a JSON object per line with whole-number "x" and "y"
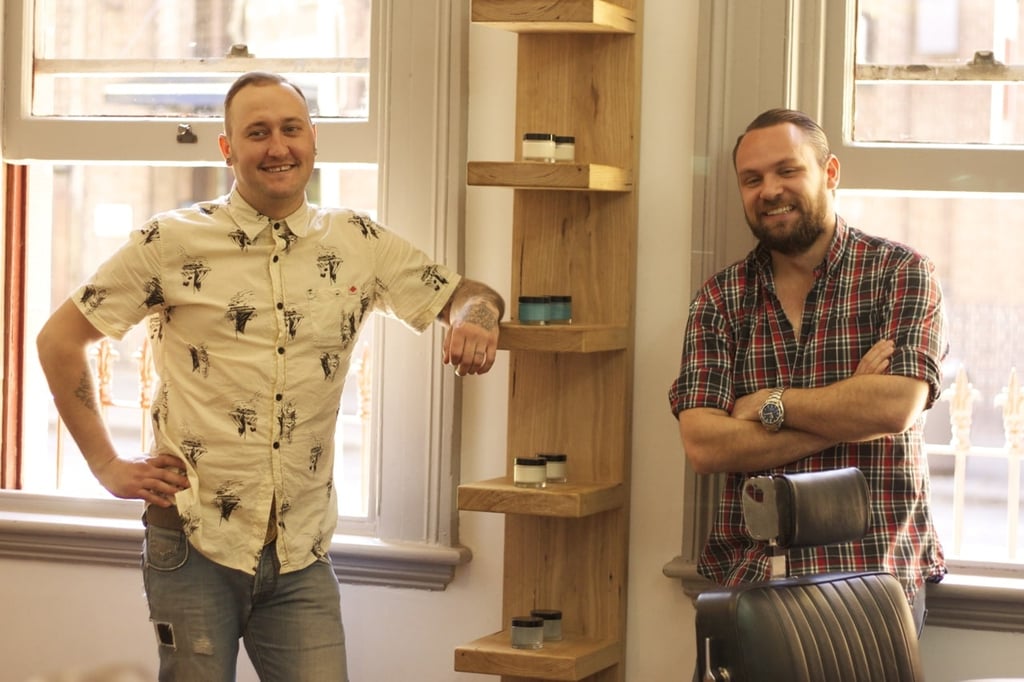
{"x": 109, "y": 532}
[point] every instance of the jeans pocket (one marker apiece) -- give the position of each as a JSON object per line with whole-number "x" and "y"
{"x": 165, "y": 549}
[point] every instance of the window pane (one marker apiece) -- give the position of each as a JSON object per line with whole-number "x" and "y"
{"x": 78, "y": 216}
{"x": 74, "y": 94}
{"x": 945, "y": 35}
{"x": 975, "y": 242}
{"x": 939, "y": 113}
{"x": 141, "y": 58}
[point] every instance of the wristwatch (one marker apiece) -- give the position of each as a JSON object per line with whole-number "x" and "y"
{"x": 772, "y": 412}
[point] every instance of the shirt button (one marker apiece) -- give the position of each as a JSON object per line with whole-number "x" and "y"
{"x": 277, "y": 445}
{"x": 280, "y": 351}
{"x": 276, "y": 259}
{"x": 277, "y": 226}
{"x": 279, "y": 396}
{"x": 280, "y": 306}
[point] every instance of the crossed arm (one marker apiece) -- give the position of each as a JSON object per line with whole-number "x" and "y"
{"x": 867, "y": 405}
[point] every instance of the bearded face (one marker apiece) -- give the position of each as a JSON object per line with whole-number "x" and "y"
{"x": 786, "y": 190}
{"x": 791, "y": 225}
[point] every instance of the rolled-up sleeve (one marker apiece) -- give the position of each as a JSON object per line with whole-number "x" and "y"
{"x": 916, "y": 322}
{"x": 705, "y": 372}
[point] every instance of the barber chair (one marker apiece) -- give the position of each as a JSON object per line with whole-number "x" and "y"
{"x": 833, "y": 627}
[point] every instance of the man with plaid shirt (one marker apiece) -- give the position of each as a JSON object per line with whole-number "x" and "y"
{"x": 820, "y": 350}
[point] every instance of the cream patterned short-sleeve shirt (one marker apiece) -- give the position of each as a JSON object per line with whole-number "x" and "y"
{"x": 252, "y": 323}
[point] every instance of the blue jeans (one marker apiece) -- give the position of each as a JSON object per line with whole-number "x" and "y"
{"x": 290, "y": 623}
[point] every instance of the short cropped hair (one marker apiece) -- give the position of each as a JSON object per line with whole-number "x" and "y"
{"x": 256, "y": 78}
{"x": 773, "y": 117}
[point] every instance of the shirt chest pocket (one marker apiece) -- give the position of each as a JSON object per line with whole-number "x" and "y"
{"x": 335, "y": 316}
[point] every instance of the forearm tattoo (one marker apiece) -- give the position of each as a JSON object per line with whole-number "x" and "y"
{"x": 86, "y": 393}
{"x": 481, "y": 314}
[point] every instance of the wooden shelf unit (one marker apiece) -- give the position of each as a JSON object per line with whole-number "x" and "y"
{"x": 566, "y": 16}
{"x": 565, "y": 338}
{"x": 571, "y": 500}
{"x": 574, "y": 658}
{"x": 574, "y": 231}
{"x": 558, "y": 176}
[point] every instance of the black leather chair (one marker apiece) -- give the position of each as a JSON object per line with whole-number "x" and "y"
{"x": 834, "y": 627}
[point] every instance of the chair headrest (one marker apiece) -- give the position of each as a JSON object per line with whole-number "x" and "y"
{"x": 807, "y": 509}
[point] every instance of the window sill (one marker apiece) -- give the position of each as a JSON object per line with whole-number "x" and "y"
{"x": 962, "y": 601}
{"x": 109, "y": 532}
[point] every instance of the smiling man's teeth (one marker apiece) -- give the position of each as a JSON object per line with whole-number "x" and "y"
{"x": 277, "y": 169}
{"x": 779, "y": 211}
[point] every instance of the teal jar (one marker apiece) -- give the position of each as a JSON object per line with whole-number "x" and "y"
{"x": 534, "y": 309}
{"x": 561, "y": 310}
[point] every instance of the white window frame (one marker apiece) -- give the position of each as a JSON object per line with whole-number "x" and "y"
{"x": 422, "y": 152}
{"x": 60, "y": 139}
{"x": 792, "y": 53}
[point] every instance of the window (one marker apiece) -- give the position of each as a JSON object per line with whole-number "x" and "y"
{"x": 79, "y": 214}
{"x": 951, "y": 105}
{"x": 922, "y": 107}
{"x": 135, "y": 73}
{"x": 115, "y": 111}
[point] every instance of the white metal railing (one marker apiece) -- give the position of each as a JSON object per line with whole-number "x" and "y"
{"x": 962, "y": 398}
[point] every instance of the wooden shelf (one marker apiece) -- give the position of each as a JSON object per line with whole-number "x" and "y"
{"x": 566, "y": 16}
{"x": 562, "y": 338}
{"x": 574, "y": 231}
{"x": 573, "y": 658}
{"x": 568, "y": 500}
{"x": 587, "y": 177}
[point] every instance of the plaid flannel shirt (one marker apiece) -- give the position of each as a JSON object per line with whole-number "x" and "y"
{"x": 738, "y": 341}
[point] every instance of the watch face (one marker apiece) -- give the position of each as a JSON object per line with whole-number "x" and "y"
{"x": 771, "y": 413}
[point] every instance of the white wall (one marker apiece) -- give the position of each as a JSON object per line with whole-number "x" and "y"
{"x": 57, "y": 616}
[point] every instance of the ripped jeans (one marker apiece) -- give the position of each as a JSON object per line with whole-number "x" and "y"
{"x": 290, "y": 623}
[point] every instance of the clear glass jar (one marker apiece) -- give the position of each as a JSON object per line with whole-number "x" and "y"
{"x": 539, "y": 147}
{"x": 552, "y": 623}
{"x": 529, "y": 472}
{"x": 565, "y": 148}
{"x": 555, "y": 466}
{"x": 527, "y": 632}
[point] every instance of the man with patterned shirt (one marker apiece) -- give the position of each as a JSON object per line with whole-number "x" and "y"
{"x": 821, "y": 350}
{"x": 254, "y": 301}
